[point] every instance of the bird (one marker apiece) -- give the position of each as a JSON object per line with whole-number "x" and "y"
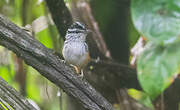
{"x": 75, "y": 50}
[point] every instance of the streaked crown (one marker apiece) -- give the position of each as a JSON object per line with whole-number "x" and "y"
{"x": 77, "y": 27}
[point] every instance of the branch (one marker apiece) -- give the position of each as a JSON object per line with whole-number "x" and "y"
{"x": 50, "y": 66}
{"x": 108, "y": 76}
{"x": 60, "y": 14}
{"x": 112, "y": 75}
{"x": 10, "y": 97}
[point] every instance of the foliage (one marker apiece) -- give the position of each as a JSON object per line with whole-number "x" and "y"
{"x": 159, "y": 22}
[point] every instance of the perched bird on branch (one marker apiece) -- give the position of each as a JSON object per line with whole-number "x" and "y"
{"x": 75, "y": 50}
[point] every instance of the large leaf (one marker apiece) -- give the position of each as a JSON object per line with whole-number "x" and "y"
{"x": 157, "y": 67}
{"x": 158, "y": 20}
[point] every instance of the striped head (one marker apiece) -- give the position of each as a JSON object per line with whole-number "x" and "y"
{"x": 76, "y": 32}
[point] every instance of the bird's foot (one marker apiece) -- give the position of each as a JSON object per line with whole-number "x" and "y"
{"x": 78, "y": 71}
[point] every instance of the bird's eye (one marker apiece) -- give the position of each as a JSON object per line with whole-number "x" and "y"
{"x": 78, "y": 25}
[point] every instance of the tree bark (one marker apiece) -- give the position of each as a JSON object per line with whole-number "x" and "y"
{"x": 10, "y": 98}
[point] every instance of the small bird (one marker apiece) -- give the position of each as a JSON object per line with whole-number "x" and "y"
{"x": 75, "y": 50}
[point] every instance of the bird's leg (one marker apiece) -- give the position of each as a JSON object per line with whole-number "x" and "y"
{"x": 76, "y": 69}
{"x": 79, "y": 71}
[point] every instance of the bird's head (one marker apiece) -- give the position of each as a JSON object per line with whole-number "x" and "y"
{"x": 77, "y": 31}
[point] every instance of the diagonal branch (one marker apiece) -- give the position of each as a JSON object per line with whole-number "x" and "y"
{"x": 50, "y": 66}
{"x": 109, "y": 74}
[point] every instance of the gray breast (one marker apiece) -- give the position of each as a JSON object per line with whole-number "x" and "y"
{"x": 75, "y": 52}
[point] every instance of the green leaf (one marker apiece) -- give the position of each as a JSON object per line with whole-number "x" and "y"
{"x": 157, "y": 67}
{"x": 158, "y": 20}
{"x": 141, "y": 97}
